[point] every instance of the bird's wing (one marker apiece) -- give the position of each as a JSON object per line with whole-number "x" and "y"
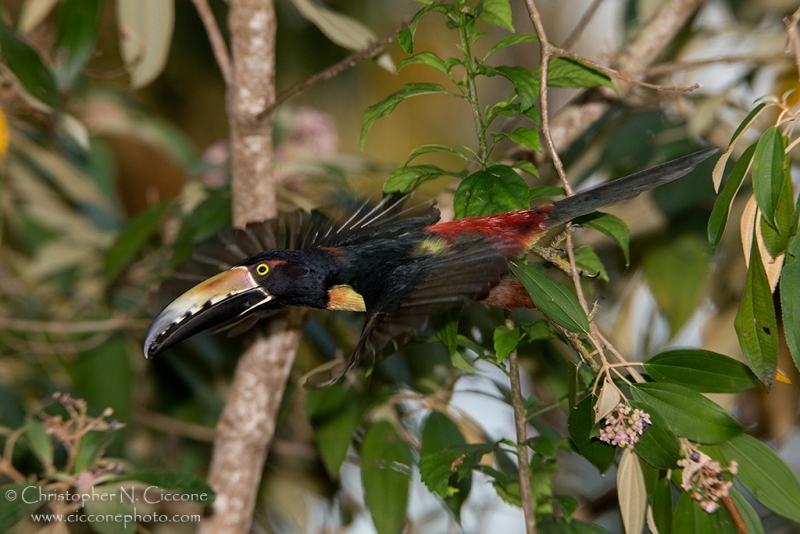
{"x": 468, "y": 271}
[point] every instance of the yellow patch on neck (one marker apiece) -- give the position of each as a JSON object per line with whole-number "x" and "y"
{"x": 345, "y": 298}
{"x": 432, "y": 246}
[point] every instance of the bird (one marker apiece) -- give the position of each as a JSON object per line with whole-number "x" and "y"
{"x": 399, "y": 266}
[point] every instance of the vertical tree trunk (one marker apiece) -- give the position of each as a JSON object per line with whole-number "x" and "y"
{"x": 247, "y": 424}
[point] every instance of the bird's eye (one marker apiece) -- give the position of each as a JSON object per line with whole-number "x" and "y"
{"x": 262, "y": 269}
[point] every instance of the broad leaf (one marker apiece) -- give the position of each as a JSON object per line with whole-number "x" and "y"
{"x": 662, "y": 506}
{"x": 385, "y": 107}
{"x": 691, "y": 414}
{"x": 145, "y": 34}
{"x": 581, "y": 424}
{"x": 18, "y": 501}
{"x": 505, "y": 341}
{"x": 658, "y": 445}
{"x": 437, "y": 467}
{"x": 541, "y": 191}
{"x": 439, "y": 432}
{"x": 768, "y": 173}
{"x": 496, "y": 189}
{"x": 425, "y": 58}
{"x": 590, "y": 263}
{"x": 719, "y": 215}
{"x": 406, "y": 179}
{"x": 90, "y": 448}
{"x": 610, "y": 225}
{"x": 497, "y": 12}
{"x": 525, "y": 82}
{"x": 750, "y": 516}
{"x": 631, "y": 492}
{"x": 335, "y": 434}
{"x": 28, "y": 67}
{"x": 527, "y": 137}
{"x": 567, "y": 72}
{"x": 40, "y": 443}
{"x": 77, "y": 30}
{"x": 552, "y": 298}
{"x": 790, "y": 298}
{"x": 133, "y": 236}
{"x": 765, "y": 474}
{"x": 755, "y": 323}
{"x": 512, "y": 40}
{"x": 689, "y": 517}
{"x": 701, "y": 370}
{"x": 385, "y": 475}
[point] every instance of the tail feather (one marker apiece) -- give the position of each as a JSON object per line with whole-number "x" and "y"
{"x": 624, "y": 188}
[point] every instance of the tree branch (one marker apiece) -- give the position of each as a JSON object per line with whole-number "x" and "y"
{"x": 525, "y": 493}
{"x": 248, "y": 420}
{"x": 218, "y": 45}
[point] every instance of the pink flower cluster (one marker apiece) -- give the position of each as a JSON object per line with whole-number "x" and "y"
{"x": 624, "y": 425}
{"x": 704, "y": 480}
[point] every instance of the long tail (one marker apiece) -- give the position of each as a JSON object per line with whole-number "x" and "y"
{"x": 624, "y": 188}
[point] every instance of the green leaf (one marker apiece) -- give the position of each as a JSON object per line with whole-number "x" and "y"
{"x": 133, "y": 236}
{"x": 505, "y": 340}
{"x": 385, "y": 107}
{"x": 750, "y": 516}
{"x": 526, "y": 84}
{"x": 662, "y": 506}
{"x": 335, "y": 434}
{"x": 448, "y": 334}
{"x": 385, "y": 475}
{"x": 406, "y": 179}
{"x": 90, "y": 448}
{"x": 425, "y": 58}
{"x": 14, "y": 506}
{"x": 439, "y": 432}
{"x": 581, "y": 424}
{"x": 701, "y": 370}
{"x": 541, "y": 191}
{"x": 109, "y": 505}
{"x": 437, "y": 467}
{"x": 512, "y": 40}
{"x": 756, "y": 324}
{"x": 496, "y": 189}
{"x": 768, "y": 173}
{"x": 692, "y": 415}
{"x": 526, "y": 167}
{"x": 427, "y": 149}
{"x": 197, "y": 489}
{"x": 610, "y": 225}
{"x": 406, "y": 39}
{"x": 747, "y": 120}
{"x": 539, "y": 330}
{"x": 39, "y": 441}
{"x": 676, "y": 273}
{"x": 567, "y": 72}
{"x": 28, "y": 67}
{"x": 77, "y": 30}
{"x": 552, "y": 298}
{"x": 527, "y": 137}
{"x": 589, "y": 262}
{"x": 689, "y": 517}
{"x": 497, "y": 12}
{"x": 765, "y": 474}
{"x": 790, "y": 298}
{"x": 719, "y": 215}
{"x": 658, "y": 445}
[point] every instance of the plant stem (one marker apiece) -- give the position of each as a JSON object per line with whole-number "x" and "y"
{"x": 472, "y": 90}
{"x": 526, "y": 495}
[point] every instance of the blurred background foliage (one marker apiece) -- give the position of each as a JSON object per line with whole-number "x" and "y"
{"x": 104, "y": 188}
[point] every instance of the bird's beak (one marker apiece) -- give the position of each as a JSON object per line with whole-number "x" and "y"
{"x": 223, "y": 297}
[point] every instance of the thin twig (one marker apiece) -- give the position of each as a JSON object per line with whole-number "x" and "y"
{"x": 337, "y": 68}
{"x": 525, "y": 493}
{"x": 79, "y": 327}
{"x": 677, "y": 66}
{"x": 218, "y": 45}
{"x": 587, "y": 16}
{"x": 738, "y": 520}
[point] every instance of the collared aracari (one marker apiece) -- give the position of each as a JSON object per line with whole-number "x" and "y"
{"x": 399, "y": 266}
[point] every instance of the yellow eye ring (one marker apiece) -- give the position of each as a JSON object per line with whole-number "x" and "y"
{"x": 262, "y": 269}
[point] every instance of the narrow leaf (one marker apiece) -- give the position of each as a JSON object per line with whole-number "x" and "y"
{"x": 719, "y": 167}
{"x": 719, "y": 215}
{"x": 631, "y": 492}
{"x": 385, "y": 475}
{"x": 133, "y": 236}
{"x": 425, "y": 58}
{"x": 756, "y": 324}
{"x": 385, "y": 107}
{"x": 145, "y": 34}
{"x": 691, "y": 414}
{"x": 496, "y": 189}
{"x": 512, "y": 40}
{"x": 790, "y": 298}
{"x": 768, "y": 174}
{"x": 662, "y": 506}
{"x": 610, "y": 225}
{"x": 581, "y": 423}
{"x": 406, "y": 179}
{"x": 28, "y": 67}
{"x": 39, "y": 441}
{"x": 567, "y": 72}
{"x": 78, "y": 21}
{"x": 552, "y": 298}
{"x": 428, "y": 149}
{"x": 765, "y": 474}
{"x": 701, "y": 370}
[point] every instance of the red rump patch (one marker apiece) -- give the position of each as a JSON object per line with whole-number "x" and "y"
{"x": 517, "y": 226}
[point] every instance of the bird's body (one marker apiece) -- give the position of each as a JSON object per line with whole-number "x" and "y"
{"x": 400, "y": 267}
